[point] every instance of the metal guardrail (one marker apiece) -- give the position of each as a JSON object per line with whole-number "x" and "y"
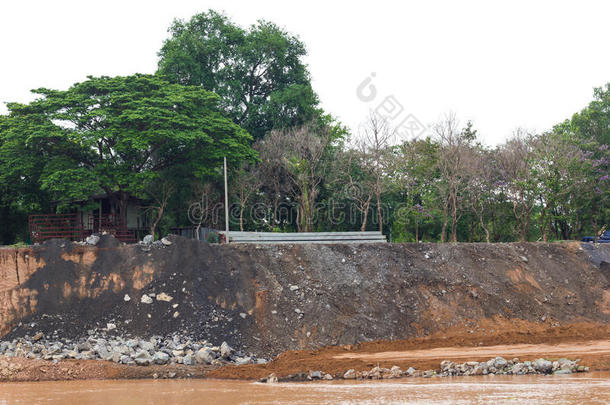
{"x": 306, "y": 237}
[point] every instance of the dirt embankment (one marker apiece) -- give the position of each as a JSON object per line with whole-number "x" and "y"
{"x": 272, "y": 299}
{"x": 589, "y": 342}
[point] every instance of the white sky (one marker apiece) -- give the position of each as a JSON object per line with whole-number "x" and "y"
{"x": 518, "y": 63}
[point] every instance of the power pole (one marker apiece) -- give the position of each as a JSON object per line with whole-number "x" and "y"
{"x": 226, "y": 204}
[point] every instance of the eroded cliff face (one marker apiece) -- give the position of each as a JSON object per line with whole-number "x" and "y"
{"x": 271, "y": 298}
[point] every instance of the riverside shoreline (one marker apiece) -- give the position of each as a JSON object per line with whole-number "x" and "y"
{"x": 337, "y": 363}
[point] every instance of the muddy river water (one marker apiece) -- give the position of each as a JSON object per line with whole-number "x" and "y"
{"x": 590, "y": 388}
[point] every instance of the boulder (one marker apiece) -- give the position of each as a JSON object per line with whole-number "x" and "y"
{"x": 188, "y": 360}
{"x": 205, "y": 355}
{"x": 543, "y": 366}
{"x": 148, "y": 239}
{"x": 350, "y": 374}
{"x": 142, "y": 358}
{"x": 161, "y": 358}
{"x": 226, "y": 351}
{"x": 500, "y": 363}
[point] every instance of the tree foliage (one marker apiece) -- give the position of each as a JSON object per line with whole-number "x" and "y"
{"x": 258, "y": 72}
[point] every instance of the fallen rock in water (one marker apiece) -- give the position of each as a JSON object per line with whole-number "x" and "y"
{"x": 543, "y": 366}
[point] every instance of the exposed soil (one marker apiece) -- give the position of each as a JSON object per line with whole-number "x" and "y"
{"x": 311, "y": 303}
{"x": 586, "y": 341}
{"x": 20, "y": 369}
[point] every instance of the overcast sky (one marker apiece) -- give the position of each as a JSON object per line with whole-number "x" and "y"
{"x": 517, "y": 64}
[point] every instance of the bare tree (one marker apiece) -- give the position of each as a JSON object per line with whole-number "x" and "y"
{"x": 373, "y": 147}
{"x": 455, "y": 145}
{"x": 247, "y": 181}
{"x": 515, "y": 157}
{"x": 355, "y": 182}
{"x": 302, "y": 150}
{"x": 276, "y": 185}
{"x": 480, "y": 186}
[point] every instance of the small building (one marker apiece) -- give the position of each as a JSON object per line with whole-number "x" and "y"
{"x": 99, "y": 214}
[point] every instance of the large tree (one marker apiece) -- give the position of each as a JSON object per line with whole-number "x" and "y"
{"x": 258, "y": 72}
{"x": 119, "y": 135}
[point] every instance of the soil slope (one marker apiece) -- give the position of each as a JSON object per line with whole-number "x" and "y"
{"x": 271, "y": 298}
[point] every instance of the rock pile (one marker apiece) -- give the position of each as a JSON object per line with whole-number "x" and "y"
{"x": 499, "y": 365}
{"x": 156, "y": 350}
{"x": 495, "y": 366}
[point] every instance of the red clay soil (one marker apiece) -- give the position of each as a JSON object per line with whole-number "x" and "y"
{"x": 20, "y": 369}
{"x": 489, "y": 338}
{"x": 589, "y": 342}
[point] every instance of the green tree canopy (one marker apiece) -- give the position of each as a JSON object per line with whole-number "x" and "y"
{"x": 258, "y": 72}
{"x": 117, "y": 135}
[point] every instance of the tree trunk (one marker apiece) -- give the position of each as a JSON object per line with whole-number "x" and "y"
{"x": 454, "y": 219}
{"x": 379, "y": 214}
{"x": 445, "y": 221}
{"x": 365, "y": 213}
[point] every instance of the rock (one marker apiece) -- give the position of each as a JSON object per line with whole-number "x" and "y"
{"x": 225, "y": 350}
{"x": 428, "y": 373}
{"x": 315, "y": 375}
{"x": 148, "y": 346}
{"x": 176, "y": 314}
{"x": 110, "y": 326}
{"x": 188, "y": 360}
{"x": 166, "y": 242}
{"x": 161, "y": 358}
{"x": 205, "y": 355}
{"x": 146, "y": 299}
{"x": 240, "y": 361}
{"x": 148, "y": 239}
{"x": 92, "y": 240}
{"x": 562, "y": 371}
{"x": 524, "y": 259}
{"x": 126, "y": 298}
{"x": 543, "y": 366}
{"x": 36, "y": 337}
{"x": 243, "y": 315}
{"x": 410, "y": 371}
{"x": 164, "y": 297}
{"x": 142, "y": 358}
{"x": 171, "y": 375}
{"x": 271, "y": 379}
{"x": 350, "y": 374}
{"x": 327, "y": 377}
{"x": 500, "y": 363}
{"x": 294, "y": 287}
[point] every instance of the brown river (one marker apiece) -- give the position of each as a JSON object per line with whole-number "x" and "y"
{"x": 590, "y": 388}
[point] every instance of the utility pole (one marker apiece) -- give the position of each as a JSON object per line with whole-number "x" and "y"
{"x": 226, "y": 204}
